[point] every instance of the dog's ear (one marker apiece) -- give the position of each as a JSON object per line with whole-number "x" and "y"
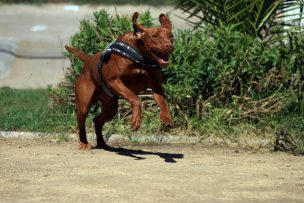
{"x": 138, "y": 29}
{"x": 165, "y": 21}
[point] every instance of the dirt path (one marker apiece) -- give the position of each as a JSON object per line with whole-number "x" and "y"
{"x": 39, "y": 170}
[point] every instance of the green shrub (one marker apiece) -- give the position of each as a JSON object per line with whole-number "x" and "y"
{"x": 217, "y": 67}
{"x": 293, "y": 54}
{"x": 222, "y": 65}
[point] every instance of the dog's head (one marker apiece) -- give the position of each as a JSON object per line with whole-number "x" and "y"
{"x": 156, "y": 43}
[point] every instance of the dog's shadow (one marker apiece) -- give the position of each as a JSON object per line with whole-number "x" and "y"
{"x": 168, "y": 157}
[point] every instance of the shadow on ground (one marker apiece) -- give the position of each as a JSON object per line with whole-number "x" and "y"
{"x": 168, "y": 157}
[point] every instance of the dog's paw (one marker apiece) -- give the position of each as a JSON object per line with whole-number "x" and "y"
{"x": 85, "y": 146}
{"x": 166, "y": 127}
{"x": 166, "y": 121}
{"x": 135, "y": 126}
{"x": 135, "y": 122}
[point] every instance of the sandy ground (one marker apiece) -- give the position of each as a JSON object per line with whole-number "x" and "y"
{"x": 41, "y": 170}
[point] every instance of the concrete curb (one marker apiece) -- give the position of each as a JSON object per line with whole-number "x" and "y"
{"x": 115, "y": 138}
{"x": 154, "y": 139}
{"x": 15, "y": 134}
{"x": 142, "y": 139}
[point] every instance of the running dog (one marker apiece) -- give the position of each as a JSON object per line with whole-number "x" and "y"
{"x": 128, "y": 66}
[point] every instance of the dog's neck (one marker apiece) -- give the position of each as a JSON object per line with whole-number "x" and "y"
{"x": 131, "y": 39}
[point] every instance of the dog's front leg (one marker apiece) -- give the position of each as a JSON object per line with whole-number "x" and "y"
{"x": 159, "y": 96}
{"x": 119, "y": 87}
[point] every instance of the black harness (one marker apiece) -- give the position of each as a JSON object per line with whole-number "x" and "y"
{"x": 124, "y": 50}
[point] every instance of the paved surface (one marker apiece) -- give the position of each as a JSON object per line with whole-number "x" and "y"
{"x": 41, "y": 170}
{"x": 44, "y": 30}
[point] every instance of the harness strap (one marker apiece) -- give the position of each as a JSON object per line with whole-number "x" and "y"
{"x": 105, "y": 55}
{"x": 124, "y": 50}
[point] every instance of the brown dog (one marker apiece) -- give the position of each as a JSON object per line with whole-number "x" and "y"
{"x": 123, "y": 78}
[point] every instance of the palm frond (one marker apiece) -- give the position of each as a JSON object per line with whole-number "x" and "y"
{"x": 259, "y": 18}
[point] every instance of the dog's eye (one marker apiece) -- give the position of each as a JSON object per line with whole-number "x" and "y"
{"x": 154, "y": 36}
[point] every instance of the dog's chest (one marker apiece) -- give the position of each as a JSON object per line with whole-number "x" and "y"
{"x": 136, "y": 80}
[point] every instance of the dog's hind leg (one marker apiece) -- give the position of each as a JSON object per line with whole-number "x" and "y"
{"x": 109, "y": 110}
{"x": 84, "y": 94}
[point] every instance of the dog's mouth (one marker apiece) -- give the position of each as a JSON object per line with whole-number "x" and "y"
{"x": 162, "y": 58}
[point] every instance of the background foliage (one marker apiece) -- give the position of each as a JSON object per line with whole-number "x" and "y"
{"x": 257, "y": 18}
{"x": 221, "y": 81}
{"x": 234, "y": 69}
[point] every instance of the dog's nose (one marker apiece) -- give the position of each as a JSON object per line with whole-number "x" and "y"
{"x": 168, "y": 46}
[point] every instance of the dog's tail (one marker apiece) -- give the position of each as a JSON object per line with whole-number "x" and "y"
{"x": 81, "y": 55}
